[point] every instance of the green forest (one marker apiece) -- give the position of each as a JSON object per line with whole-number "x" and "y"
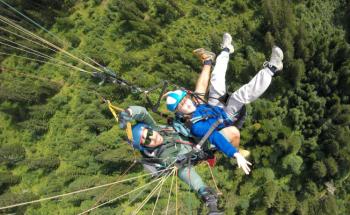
{"x": 58, "y": 136}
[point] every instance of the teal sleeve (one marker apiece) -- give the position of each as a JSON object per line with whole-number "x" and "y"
{"x": 140, "y": 114}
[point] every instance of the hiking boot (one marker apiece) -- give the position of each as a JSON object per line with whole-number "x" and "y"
{"x": 210, "y": 198}
{"x": 275, "y": 64}
{"x": 244, "y": 153}
{"x": 227, "y": 42}
{"x": 204, "y": 55}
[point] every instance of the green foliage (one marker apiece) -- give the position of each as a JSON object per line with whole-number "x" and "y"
{"x": 292, "y": 163}
{"x": 10, "y": 198}
{"x": 25, "y": 90}
{"x": 240, "y": 6}
{"x": 270, "y": 193}
{"x": 286, "y": 202}
{"x": 269, "y": 40}
{"x": 46, "y": 163}
{"x": 319, "y": 169}
{"x": 290, "y": 144}
{"x": 166, "y": 13}
{"x": 279, "y": 15}
{"x": 11, "y": 154}
{"x": 329, "y": 205}
{"x": 56, "y": 136}
{"x": 332, "y": 166}
{"x": 311, "y": 188}
{"x": 296, "y": 71}
{"x": 7, "y": 180}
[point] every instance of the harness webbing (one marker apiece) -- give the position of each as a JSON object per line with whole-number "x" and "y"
{"x": 110, "y": 76}
{"x": 113, "y": 110}
{"x": 154, "y": 107}
{"x": 209, "y": 132}
{"x": 195, "y": 95}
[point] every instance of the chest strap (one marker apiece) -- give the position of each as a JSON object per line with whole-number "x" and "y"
{"x": 190, "y": 122}
{"x": 209, "y": 132}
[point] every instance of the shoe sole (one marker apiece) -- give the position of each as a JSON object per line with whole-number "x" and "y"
{"x": 278, "y": 51}
{"x": 201, "y": 51}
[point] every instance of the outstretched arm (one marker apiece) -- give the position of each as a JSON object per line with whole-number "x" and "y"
{"x": 215, "y": 138}
{"x": 140, "y": 114}
{"x": 199, "y": 129}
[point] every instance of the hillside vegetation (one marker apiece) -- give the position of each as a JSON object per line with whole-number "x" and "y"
{"x": 56, "y": 136}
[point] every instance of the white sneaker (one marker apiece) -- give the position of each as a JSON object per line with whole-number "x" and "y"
{"x": 275, "y": 59}
{"x": 227, "y": 42}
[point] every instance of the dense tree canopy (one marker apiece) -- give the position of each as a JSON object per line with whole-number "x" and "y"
{"x": 56, "y": 136}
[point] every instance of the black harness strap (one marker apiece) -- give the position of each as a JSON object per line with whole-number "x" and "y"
{"x": 224, "y": 99}
{"x": 154, "y": 107}
{"x": 196, "y": 96}
{"x": 209, "y": 132}
{"x": 110, "y": 76}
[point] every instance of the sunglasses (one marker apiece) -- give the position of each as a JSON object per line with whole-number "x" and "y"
{"x": 148, "y": 140}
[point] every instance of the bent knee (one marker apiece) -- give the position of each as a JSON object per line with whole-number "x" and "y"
{"x": 231, "y": 132}
{"x": 234, "y": 131}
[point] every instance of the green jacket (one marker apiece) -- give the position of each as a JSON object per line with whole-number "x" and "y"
{"x": 171, "y": 148}
{"x": 173, "y": 144}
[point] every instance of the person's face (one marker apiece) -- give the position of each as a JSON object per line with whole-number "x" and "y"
{"x": 151, "y": 138}
{"x": 186, "y": 106}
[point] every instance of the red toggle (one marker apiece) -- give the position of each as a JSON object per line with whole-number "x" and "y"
{"x": 212, "y": 161}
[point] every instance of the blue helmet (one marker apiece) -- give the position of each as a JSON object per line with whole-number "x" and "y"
{"x": 136, "y": 135}
{"x": 174, "y": 98}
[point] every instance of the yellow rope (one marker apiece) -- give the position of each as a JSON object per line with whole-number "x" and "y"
{"x": 46, "y": 62}
{"x": 113, "y": 109}
{"x": 13, "y": 71}
{"x": 20, "y": 28}
{"x": 160, "y": 190}
{"x": 171, "y": 190}
{"x": 74, "y": 192}
{"x": 34, "y": 52}
{"x": 155, "y": 189}
{"x": 129, "y": 131}
{"x": 38, "y": 25}
{"x": 26, "y": 47}
{"x": 20, "y": 36}
{"x": 116, "y": 198}
{"x": 110, "y": 188}
{"x": 213, "y": 178}
{"x": 176, "y": 192}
